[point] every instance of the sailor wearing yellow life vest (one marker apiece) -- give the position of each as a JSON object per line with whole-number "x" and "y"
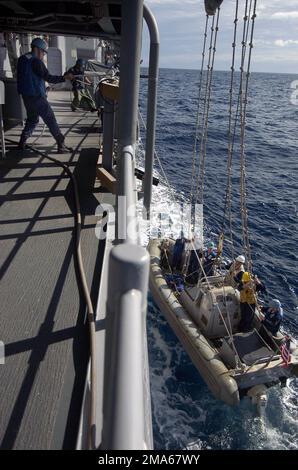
{"x": 248, "y": 288}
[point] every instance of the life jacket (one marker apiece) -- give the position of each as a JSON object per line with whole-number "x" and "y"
{"x": 29, "y": 84}
{"x": 229, "y": 279}
{"x": 247, "y": 295}
{"x": 235, "y": 271}
{"x": 210, "y": 256}
{"x": 209, "y": 263}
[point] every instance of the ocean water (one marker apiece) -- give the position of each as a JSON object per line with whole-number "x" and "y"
{"x": 185, "y": 415}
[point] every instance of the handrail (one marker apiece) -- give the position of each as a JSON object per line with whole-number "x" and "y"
{"x": 127, "y": 420}
{"x": 128, "y": 379}
{"x": 124, "y": 409}
{"x": 151, "y": 106}
{"x": 127, "y": 212}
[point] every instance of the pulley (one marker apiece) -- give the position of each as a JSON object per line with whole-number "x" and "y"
{"x": 211, "y": 6}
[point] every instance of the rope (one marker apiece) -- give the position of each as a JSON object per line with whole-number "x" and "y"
{"x": 198, "y": 111}
{"x": 205, "y": 118}
{"x": 228, "y": 197}
{"x": 243, "y": 57}
{"x": 200, "y": 263}
{"x": 243, "y": 109}
{"x": 208, "y": 84}
{"x": 243, "y": 173}
{"x": 204, "y": 134}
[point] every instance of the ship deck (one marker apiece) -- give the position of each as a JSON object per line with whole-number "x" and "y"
{"x": 42, "y": 311}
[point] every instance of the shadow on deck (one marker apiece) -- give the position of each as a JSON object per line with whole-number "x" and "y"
{"x": 43, "y": 314}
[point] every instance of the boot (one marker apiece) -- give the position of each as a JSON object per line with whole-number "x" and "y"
{"x": 61, "y": 147}
{"x": 22, "y": 144}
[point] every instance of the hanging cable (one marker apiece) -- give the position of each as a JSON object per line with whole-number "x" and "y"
{"x": 239, "y": 110}
{"x": 228, "y": 196}
{"x": 194, "y": 156}
{"x": 202, "y": 131}
{"x": 203, "y": 147}
{"x": 243, "y": 112}
{"x": 246, "y": 28}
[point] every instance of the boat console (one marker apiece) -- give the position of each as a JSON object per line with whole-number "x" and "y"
{"x": 212, "y": 307}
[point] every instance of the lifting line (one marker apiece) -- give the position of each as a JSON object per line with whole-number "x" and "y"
{"x": 243, "y": 110}
{"x": 204, "y": 133}
{"x": 228, "y": 196}
{"x": 198, "y": 113}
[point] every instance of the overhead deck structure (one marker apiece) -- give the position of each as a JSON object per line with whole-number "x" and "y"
{"x": 73, "y": 18}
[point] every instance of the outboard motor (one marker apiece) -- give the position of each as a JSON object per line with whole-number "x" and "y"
{"x": 258, "y": 395}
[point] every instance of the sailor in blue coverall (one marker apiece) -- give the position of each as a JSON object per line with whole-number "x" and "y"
{"x": 31, "y": 76}
{"x": 273, "y": 315}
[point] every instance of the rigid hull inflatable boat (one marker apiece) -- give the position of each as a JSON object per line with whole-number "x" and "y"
{"x": 205, "y": 318}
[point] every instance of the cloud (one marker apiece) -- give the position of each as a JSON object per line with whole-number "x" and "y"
{"x": 181, "y": 25}
{"x": 285, "y": 15}
{"x": 283, "y": 43}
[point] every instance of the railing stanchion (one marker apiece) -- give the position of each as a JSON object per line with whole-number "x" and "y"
{"x": 124, "y": 409}
{"x": 108, "y": 134}
{"x": 151, "y": 107}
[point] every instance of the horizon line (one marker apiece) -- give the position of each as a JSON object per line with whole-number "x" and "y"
{"x": 221, "y": 70}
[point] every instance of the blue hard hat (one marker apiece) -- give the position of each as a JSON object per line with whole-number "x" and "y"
{"x": 80, "y": 63}
{"x": 40, "y": 43}
{"x": 211, "y": 245}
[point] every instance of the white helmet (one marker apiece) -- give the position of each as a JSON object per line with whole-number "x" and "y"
{"x": 275, "y": 303}
{"x": 240, "y": 259}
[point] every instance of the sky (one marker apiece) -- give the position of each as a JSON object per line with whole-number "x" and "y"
{"x": 181, "y": 24}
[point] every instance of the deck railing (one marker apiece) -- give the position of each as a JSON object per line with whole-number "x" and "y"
{"x": 126, "y": 404}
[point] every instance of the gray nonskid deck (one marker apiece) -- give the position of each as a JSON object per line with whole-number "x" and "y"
{"x": 42, "y": 315}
